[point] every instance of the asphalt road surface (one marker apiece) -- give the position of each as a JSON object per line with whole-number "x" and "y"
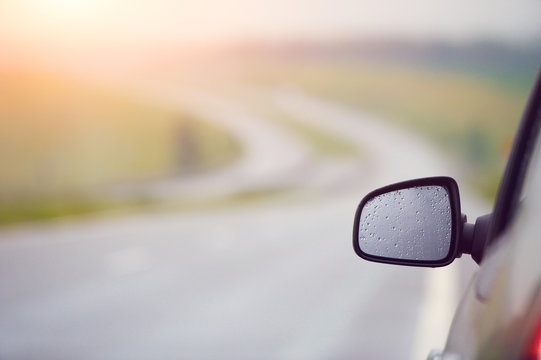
{"x": 273, "y": 280}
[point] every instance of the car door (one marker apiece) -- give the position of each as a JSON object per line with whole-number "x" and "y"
{"x": 499, "y": 317}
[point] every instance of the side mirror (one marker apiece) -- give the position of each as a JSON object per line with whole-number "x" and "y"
{"x": 416, "y": 223}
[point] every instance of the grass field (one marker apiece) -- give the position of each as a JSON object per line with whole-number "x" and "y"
{"x": 324, "y": 143}
{"x": 473, "y": 117}
{"x": 61, "y": 143}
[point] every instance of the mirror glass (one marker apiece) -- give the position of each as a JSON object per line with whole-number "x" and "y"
{"x": 413, "y": 223}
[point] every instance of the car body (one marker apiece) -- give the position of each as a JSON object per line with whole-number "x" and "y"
{"x": 499, "y": 316}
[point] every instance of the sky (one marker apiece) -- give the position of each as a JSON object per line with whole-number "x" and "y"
{"x": 211, "y": 21}
{"x": 96, "y": 33}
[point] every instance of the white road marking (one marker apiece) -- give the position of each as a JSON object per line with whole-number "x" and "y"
{"x": 439, "y": 303}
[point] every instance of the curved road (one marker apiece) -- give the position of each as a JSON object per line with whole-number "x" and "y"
{"x": 266, "y": 281}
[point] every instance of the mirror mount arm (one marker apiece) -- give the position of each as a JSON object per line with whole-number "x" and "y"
{"x": 474, "y": 237}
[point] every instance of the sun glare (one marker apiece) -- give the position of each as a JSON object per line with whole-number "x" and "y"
{"x": 64, "y": 7}
{"x": 43, "y": 21}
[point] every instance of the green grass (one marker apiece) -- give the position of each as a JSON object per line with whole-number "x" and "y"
{"x": 320, "y": 140}
{"x": 59, "y": 207}
{"x": 61, "y": 143}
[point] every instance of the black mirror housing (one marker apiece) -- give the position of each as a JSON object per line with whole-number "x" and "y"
{"x": 414, "y": 223}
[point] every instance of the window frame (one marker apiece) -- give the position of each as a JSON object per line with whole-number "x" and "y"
{"x": 513, "y": 180}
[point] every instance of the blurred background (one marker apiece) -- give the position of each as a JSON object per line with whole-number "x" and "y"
{"x": 178, "y": 179}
